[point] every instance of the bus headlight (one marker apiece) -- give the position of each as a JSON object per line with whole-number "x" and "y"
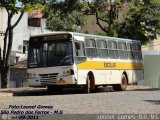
{"x": 34, "y": 75}
{"x": 66, "y": 73}
{"x": 31, "y": 75}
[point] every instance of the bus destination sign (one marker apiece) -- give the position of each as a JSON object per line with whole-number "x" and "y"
{"x": 55, "y": 37}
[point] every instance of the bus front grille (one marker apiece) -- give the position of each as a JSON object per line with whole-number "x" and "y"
{"x": 48, "y": 78}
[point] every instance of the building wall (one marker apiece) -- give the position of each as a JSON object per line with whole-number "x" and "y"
{"x": 21, "y": 32}
{"x": 152, "y": 48}
{"x": 37, "y": 30}
{"x": 154, "y": 45}
{"x": 151, "y": 71}
{"x": 18, "y": 77}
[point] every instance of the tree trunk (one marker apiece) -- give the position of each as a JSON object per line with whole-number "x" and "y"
{"x": 4, "y": 77}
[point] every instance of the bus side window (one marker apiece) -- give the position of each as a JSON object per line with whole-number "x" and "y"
{"x": 79, "y": 52}
{"x": 79, "y": 47}
{"x": 91, "y": 50}
{"x": 123, "y": 54}
{"x": 129, "y": 49}
{"x": 137, "y": 51}
{"x": 102, "y": 48}
{"x": 113, "y": 50}
{"x": 133, "y": 51}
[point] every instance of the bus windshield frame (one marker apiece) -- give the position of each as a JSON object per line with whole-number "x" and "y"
{"x": 50, "y": 53}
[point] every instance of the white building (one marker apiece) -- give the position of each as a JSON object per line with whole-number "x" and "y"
{"x": 30, "y": 24}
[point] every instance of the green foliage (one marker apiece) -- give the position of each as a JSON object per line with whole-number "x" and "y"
{"x": 62, "y": 15}
{"x": 136, "y": 19}
{"x": 58, "y": 22}
{"x": 26, "y": 5}
{"x": 142, "y": 22}
{"x": 106, "y": 13}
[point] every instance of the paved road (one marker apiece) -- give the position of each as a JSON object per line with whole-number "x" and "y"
{"x": 127, "y": 102}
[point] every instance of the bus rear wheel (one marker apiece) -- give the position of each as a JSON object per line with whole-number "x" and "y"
{"x": 122, "y": 86}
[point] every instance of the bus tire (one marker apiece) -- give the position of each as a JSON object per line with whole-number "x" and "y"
{"x": 123, "y": 82}
{"x": 90, "y": 84}
{"x": 87, "y": 87}
{"x": 54, "y": 89}
{"x": 122, "y": 86}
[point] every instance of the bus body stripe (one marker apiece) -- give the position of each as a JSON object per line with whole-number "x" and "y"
{"x": 110, "y": 65}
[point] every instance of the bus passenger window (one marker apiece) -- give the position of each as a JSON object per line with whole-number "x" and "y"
{"x": 137, "y": 52}
{"x": 129, "y": 49}
{"x": 90, "y": 43}
{"x": 123, "y": 50}
{"x": 79, "y": 48}
{"x": 91, "y": 48}
{"x": 113, "y": 51}
{"x": 102, "y": 48}
{"x": 79, "y": 52}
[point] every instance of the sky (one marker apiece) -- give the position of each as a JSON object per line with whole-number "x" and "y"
{"x": 18, "y": 4}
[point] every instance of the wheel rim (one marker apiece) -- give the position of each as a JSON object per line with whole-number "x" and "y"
{"x": 88, "y": 85}
{"x": 123, "y": 83}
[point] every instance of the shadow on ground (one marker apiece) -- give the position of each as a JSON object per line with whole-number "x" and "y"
{"x": 66, "y": 91}
{"x": 44, "y": 92}
{"x": 156, "y": 102}
{"x": 147, "y": 89}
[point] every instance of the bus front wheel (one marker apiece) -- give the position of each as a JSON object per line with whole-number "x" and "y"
{"x": 90, "y": 84}
{"x": 87, "y": 87}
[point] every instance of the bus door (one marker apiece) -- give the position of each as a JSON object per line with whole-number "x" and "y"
{"x": 80, "y": 57}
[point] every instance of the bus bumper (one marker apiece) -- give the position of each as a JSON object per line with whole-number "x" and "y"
{"x": 65, "y": 80}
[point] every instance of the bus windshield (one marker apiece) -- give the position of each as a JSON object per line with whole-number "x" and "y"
{"x": 52, "y": 53}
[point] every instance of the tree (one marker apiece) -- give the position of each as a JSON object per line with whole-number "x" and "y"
{"x": 106, "y": 13}
{"x": 142, "y": 21}
{"x": 12, "y": 9}
{"x": 134, "y": 20}
{"x": 61, "y": 22}
{"x": 62, "y": 15}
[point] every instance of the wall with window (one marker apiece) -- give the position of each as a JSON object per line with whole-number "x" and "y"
{"x": 21, "y": 33}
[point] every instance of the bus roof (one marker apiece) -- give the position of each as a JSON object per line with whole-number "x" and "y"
{"x": 51, "y": 33}
{"x": 85, "y": 35}
{"x": 106, "y": 37}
